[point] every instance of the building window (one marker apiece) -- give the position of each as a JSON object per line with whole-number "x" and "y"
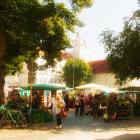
{"x": 49, "y": 72}
{"x": 46, "y": 72}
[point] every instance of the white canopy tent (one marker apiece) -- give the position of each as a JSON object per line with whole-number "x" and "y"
{"x": 89, "y": 86}
{"x": 94, "y": 88}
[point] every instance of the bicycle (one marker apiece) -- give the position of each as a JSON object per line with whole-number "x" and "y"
{"x": 16, "y": 117}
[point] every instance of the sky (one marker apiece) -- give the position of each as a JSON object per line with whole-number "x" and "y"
{"x": 103, "y": 14}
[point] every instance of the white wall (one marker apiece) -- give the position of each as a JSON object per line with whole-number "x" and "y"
{"x": 107, "y": 79}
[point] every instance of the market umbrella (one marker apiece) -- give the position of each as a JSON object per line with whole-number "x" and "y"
{"x": 108, "y": 90}
{"x": 43, "y": 87}
{"x": 88, "y": 86}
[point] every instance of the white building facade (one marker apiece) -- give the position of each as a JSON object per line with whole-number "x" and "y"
{"x": 48, "y": 76}
{"x": 102, "y": 76}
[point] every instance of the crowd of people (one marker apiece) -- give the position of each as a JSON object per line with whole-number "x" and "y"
{"x": 15, "y": 98}
{"x": 110, "y": 107}
{"x": 95, "y": 105}
{"x": 85, "y": 104}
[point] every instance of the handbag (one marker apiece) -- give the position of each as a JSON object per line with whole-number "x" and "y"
{"x": 115, "y": 116}
{"x": 63, "y": 112}
{"x": 102, "y": 107}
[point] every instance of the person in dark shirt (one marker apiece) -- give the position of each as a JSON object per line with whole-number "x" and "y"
{"x": 82, "y": 107}
{"x": 111, "y": 108}
{"x": 66, "y": 99}
{"x": 37, "y": 100}
{"x": 96, "y": 103}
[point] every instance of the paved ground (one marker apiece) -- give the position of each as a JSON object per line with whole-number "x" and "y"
{"x": 76, "y": 128}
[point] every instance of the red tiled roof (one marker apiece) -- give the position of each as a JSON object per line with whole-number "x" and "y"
{"x": 65, "y": 55}
{"x": 100, "y": 66}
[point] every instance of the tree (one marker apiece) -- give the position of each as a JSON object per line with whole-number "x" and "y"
{"x": 123, "y": 49}
{"x": 27, "y": 26}
{"x": 82, "y": 72}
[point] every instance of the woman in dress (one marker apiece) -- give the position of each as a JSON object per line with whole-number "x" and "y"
{"x": 57, "y": 107}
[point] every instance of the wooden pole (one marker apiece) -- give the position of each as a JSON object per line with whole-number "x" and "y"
{"x": 31, "y": 92}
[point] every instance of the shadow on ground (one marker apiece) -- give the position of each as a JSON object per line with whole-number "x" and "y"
{"x": 124, "y": 137}
{"x": 87, "y": 124}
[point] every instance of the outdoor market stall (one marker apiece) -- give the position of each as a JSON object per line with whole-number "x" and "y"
{"x": 41, "y": 113}
{"x": 44, "y": 90}
{"x": 134, "y": 94}
{"x": 124, "y": 108}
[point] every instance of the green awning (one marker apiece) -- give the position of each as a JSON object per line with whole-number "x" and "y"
{"x": 120, "y": 91}
{"x": 43, "y": 87}
{"x": 130, "y": 89}
{"x": 68, "y": 88}
{"x": 22, "y": 92}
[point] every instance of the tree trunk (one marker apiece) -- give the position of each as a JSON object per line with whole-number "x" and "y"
{"x": 2, "y": 81}
{"x": 2, "y": 44}
{"x": 2, "y": 65}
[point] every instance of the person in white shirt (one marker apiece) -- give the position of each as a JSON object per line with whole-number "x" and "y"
{"x": 57, "y": 106}
{"x": 77, "y": 103}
